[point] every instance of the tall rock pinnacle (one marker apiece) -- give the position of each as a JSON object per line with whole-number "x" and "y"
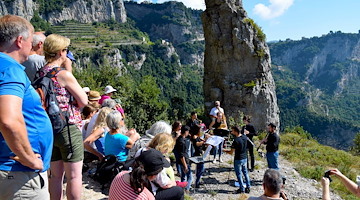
{"x": 237, "y": 64}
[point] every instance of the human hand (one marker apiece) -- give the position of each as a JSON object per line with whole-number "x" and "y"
{"x": 283, "y": 195}
{"x": 246, "y": 132}
{"x": 335, "y": 172}
{"x": 325, "y": 182}
{"x": 133, "y": 134}
{"x": 36, "y": 163}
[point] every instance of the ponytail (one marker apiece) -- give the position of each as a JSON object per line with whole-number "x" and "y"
{"x": 138, "y": 178}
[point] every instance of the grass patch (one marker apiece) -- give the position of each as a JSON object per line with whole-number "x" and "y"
{"x": 212, "y": 193}
{"x": 188, "y": 197}
{"x": 312, "y": 159}
{"x": 259, "y": 32}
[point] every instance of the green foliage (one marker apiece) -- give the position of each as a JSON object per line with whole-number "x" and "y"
{"x": 250, "y": 84}
{"x": 259, "y": 32}
{"x": 48, "y": 6}
{"x": 312, "y": 159}
{"x": 356, "y": 148}
{"x": 141, "y": 99}
{"x": 40, "y": 24}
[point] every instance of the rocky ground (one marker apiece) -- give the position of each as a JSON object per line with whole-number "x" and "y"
{"x": 219, "y": 183}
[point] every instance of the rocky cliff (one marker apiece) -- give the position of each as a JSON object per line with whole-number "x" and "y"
{"x": 237, "y": 64}
{"x": 174, "y": 23}
{"x": 84, "y": 11}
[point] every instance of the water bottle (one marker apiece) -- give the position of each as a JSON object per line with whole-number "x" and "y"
{"x": 53, "y": 108}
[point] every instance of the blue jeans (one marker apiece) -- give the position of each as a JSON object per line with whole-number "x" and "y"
{"x": 200, "y": 168}
{"x": 218, "y": 150}
{"x": 186, "y": 176}
{"x": 272, "y": 160}
{"x": 240, "y": 167}
{"x": 178, "y": 162}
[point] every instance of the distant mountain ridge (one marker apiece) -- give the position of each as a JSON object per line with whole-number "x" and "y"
{"x": 318, "y": 82}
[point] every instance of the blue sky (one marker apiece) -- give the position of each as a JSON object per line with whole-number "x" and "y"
{"x": 294, "y": 19}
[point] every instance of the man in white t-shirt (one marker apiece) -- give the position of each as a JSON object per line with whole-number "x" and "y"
{"x": 214, "y": 111}
{"x": 36, "y": 59}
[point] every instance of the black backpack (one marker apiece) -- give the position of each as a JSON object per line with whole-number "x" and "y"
{"x": 44, "y": 86}
{"x": 107, "y": 169}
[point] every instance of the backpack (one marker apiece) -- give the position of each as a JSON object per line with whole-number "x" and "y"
{"x": 44, "y": 86}
{"x": 107, "y": 169}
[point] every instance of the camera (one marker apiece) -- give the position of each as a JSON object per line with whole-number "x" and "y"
{"x": 327, "y": 175}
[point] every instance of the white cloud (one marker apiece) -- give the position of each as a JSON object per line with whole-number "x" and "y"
{"x": 194, "y": 4}
{"x": 275, "y": 9}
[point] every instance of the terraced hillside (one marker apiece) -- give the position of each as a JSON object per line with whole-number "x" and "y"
{"x": 100, "y": 35}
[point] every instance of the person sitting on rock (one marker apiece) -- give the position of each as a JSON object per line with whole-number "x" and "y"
{"x": 272, "y": 184}
{"x": 221, "y": 129}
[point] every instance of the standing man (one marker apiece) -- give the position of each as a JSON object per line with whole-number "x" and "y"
{"x": 36, "y": 59}
{"x": 272, "y": 147}
{"x": 214, "y": 111}
{"x": 250, "y": 132}
{"x": 26, "y": 137}
{"x": 239, "y": 146}
{"x": 193, "y": 123}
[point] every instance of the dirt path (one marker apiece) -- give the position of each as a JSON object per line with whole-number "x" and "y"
{"x": 219, "y": 181}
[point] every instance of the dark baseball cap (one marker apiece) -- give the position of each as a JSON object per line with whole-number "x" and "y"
{"x": 153, "y": 161}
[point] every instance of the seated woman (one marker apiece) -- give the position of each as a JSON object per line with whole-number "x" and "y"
{"x": 94, "y": 142}
{"x": 118, "y": 140}
{"x": 133, "y": 185}
{"x": 163, "y": 186}
{"x": 220, "y": 129}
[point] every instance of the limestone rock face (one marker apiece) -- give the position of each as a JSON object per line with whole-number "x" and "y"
{"x": 97, "y": 10}
{"x": 80, "y": 10}
{"x": 237, "y": 64}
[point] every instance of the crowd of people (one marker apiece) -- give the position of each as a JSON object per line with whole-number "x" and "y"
{"x": 34, "y": 161}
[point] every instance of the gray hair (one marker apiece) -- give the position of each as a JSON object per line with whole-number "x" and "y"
{"x": 273, "y": 181}
{"x": 159, "y": 127}
{"x": 108, "y": 103}
{"x": 113, "y": 119}
{"x": 11, "y": 27}
{"x": 37, "y": 38}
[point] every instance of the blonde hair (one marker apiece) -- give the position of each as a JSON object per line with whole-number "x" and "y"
{"x": 53, "y": 44}
{"x": 162, "y": 142}
{"x": 101, "y": 118}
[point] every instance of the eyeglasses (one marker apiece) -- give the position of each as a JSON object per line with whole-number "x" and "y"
{"x": 66, "y": 49}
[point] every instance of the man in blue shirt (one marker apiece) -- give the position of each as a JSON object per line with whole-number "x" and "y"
{"x": 26, "y": 134}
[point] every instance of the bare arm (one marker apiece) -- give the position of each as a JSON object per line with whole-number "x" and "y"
{"x": 67, "y": 80}
{"x": 229, "y": 151}
{"x": 95, "y": 134}
{"x": 326, "y": 191}
{"x": 212, "y": 124}
{"x": 13, "y": 129}
{"x": 184, "y": 164}
{"x": 349, "y": 184}
{"x": 130, "y": 143}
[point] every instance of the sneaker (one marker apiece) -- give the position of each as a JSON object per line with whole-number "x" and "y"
{"x": 181, "y": 184}
{"x": 251, "y": 170}
{"x": 239, "y": 191}
{"x": 214, "y": 161}
{"x": 247, "y": 190}
{"x": 221, "y": 160}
